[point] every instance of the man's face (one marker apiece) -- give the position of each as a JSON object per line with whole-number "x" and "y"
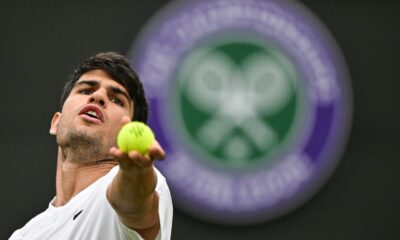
{"x": 92, "y": 113}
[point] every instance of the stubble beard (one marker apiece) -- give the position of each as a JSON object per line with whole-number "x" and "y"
{"x": 82, "y": 147}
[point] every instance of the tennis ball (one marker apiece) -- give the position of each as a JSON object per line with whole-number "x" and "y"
{"x": 135, "y": 136}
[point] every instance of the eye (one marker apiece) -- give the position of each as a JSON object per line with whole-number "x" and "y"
{"x": 85, "y": 91}
{"x": 117, "y": 100}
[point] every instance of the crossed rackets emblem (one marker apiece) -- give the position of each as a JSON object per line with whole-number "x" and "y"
{"x": 237, "y": 97}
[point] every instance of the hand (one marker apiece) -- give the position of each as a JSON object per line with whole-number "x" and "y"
{"x": 134, "y": 159}
{"x": 137, "y": 160}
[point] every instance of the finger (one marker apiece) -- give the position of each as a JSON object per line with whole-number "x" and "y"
{"x": 139, "y": 159}
{"x": 134, "y": 155}
{"x": 121, "y": 157}
{"x": 125, "y": 120}
{"x": 116, "y": 152}
{"x": 156, "y": 151}
{"x": 127, "y": 161}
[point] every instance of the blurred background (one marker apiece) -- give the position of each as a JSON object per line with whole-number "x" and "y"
{"x": 41, "y": 42}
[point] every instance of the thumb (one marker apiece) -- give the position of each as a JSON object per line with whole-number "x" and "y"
{"x": 125, "y": 120}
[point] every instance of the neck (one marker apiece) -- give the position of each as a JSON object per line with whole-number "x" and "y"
{"x": 72, "y": 176}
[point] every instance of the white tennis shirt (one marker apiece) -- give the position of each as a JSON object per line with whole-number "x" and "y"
{"x": 89, "y": 216}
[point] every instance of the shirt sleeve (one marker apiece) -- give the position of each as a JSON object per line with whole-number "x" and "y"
{"x": 129, "y": 234}
{"x": 165, "y": 209}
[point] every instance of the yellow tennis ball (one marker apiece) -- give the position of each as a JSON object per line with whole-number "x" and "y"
{"x": 135, "y": 136}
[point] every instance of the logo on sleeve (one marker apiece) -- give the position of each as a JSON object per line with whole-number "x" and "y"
{"x": 77, "y": 214}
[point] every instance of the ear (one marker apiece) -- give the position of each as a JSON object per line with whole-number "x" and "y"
{"x": 54, "y": 123}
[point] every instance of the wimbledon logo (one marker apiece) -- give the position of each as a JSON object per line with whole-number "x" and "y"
{"x": 251, "y": 102}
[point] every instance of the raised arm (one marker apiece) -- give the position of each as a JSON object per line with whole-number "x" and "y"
{"x": 132, "y": 192}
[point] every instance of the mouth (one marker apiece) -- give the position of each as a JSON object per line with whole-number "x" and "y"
{"x": 92, "y": 113}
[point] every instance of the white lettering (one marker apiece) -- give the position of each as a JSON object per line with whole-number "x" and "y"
{"x": 266, "y": 188}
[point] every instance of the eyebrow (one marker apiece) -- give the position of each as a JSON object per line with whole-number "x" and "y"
{"x": 113, "y": 89}
{"x": 92, "y": 83}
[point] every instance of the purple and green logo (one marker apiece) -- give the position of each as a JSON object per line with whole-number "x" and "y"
{"x": 250, "y": 99}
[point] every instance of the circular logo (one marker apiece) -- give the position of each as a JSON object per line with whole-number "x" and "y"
{"x": 251, "y": 102}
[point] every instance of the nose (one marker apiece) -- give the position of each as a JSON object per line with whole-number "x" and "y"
{"x": 99, "y": 98}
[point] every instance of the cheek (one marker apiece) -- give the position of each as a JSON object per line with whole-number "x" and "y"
{"x": 69, "y": 104}
{"x": 70, "y": 111}
{"x": 65, "y": 122}
{"x": 117, "y": 119}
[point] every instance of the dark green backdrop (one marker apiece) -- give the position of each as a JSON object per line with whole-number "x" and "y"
{"x": 41, "y": 42}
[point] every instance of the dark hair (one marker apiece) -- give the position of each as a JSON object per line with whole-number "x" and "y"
{"x": 119, "y": 69}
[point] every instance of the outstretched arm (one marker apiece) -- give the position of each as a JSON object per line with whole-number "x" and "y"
{"x": 132, "y": 191}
